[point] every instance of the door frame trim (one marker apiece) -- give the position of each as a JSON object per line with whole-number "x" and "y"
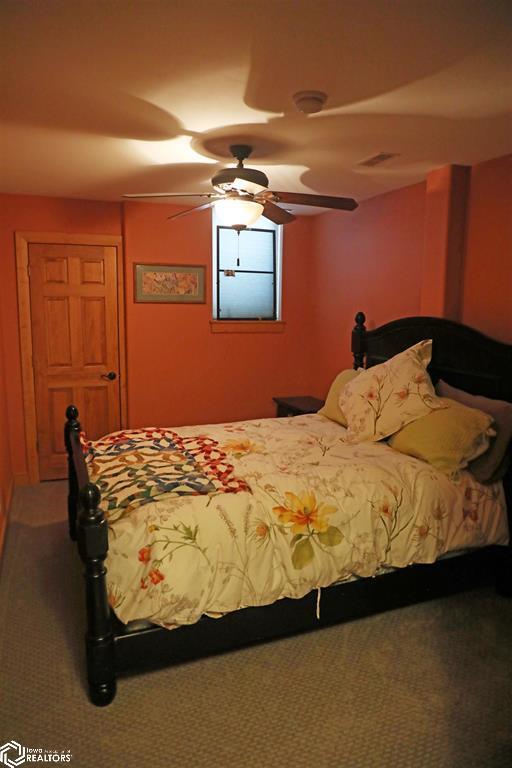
{"x": 22, "y": 242}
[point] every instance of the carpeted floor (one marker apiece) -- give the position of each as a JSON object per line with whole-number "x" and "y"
{"x": 429, "y": 685}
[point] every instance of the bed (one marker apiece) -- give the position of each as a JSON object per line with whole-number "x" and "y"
{"x": 306, "y": 535}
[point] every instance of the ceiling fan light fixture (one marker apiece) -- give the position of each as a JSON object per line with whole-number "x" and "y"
{"x": 309, "y": 102}
{"x": 237, "y": 212}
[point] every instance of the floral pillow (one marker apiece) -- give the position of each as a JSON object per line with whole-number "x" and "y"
{"x": 383, "y": 399}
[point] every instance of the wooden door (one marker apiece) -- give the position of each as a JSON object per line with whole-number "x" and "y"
{"x": 75, "y": 344}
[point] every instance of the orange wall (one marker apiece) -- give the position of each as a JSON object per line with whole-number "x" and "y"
{"x": 36, "y": 214}
{"x": 368, "y": 260}
{"x": 446, "y": 202}
{"x": 487, "y": 296}
{"x": 180, "y": 372}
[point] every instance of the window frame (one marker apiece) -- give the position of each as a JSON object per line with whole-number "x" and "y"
{"x": 277, "y": 236}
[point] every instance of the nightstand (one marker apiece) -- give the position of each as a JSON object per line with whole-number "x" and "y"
{"x": 296, "y": 406}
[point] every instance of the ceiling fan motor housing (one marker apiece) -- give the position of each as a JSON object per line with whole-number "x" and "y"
{"x": 223, "y": 180}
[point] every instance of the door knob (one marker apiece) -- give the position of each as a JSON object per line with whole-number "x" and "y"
{"x": 110, "y": 376}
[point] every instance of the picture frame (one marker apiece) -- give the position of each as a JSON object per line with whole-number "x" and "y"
{"x": 169, "y": 283}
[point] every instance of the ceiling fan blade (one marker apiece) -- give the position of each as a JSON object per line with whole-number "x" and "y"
{"x": 191, "y": 210}
{"x": 174, "y": 194}
{"x": 321, "y": 201}
{"x": 276, "y": 214}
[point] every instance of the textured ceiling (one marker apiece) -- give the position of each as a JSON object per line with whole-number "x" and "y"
{"x": 102, "y": 97}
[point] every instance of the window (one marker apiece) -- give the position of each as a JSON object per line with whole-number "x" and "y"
{"x": 247, "y": 272}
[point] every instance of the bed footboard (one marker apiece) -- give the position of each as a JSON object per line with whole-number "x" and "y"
{"x": 71, "y": 439}
{"x": 88, "y": 526}
{"x": 92, "y": 535}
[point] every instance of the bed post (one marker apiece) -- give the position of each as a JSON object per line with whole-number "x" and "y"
{"x": 92, "y": 535}
{"x": 72, "y": 425}
{"x": 358, "y": 340}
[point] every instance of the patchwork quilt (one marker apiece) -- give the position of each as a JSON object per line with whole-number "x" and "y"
{"x": 210, "y": 519}
{"x": 136, "y": 467}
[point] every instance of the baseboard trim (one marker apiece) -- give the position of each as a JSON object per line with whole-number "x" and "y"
{"x": 9, "y": 495}
{"x": 4, "y": 514}
{"x": 21, "y": 478}
{"x": 3, "y": 528}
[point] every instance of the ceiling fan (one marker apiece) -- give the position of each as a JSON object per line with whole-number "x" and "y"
{"x": 241, "y": 195}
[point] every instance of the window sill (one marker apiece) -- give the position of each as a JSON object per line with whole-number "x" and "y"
{"x": 247, "y": 326}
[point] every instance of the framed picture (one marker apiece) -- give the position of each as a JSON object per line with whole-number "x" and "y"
{"x": 169, "y": 283}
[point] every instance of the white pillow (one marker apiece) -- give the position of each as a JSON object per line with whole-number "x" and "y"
{"x": 383, "y": 399}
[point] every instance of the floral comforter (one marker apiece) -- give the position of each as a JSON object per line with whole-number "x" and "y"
{"x": 206, "y": 520}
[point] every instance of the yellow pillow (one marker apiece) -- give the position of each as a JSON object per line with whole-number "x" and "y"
{"x": 331, "y": 409}
{"x": 447, "y": 438}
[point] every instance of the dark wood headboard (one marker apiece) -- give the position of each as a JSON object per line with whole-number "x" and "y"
{"x": 461, "y": 356}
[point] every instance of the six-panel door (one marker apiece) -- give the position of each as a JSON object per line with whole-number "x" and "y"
{"x": 75, "y": 321}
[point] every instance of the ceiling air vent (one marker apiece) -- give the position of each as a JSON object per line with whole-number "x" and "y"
{"x": 378, "y": 159}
